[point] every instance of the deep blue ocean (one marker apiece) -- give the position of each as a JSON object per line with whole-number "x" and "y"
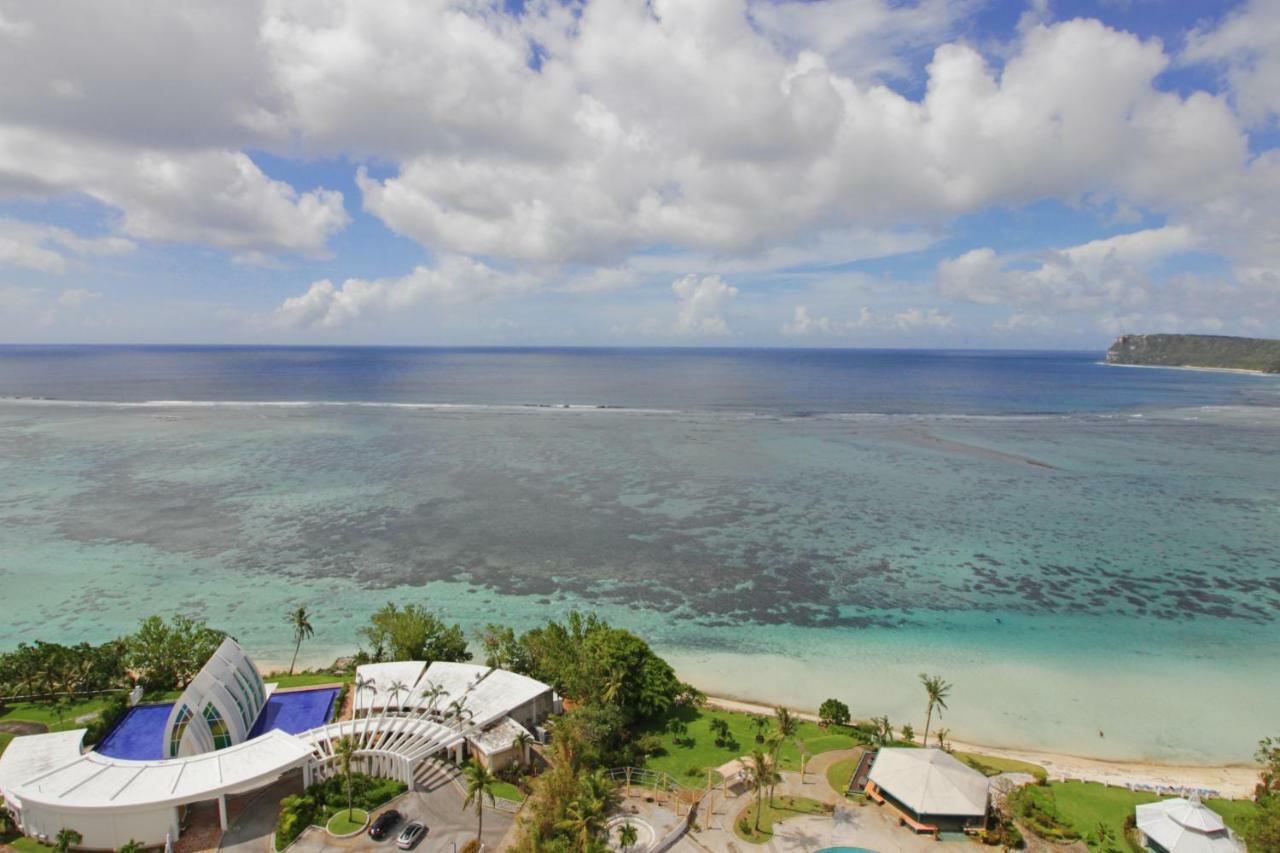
{"x": 1064, "y": 541}
{"x": 772, "y": 381}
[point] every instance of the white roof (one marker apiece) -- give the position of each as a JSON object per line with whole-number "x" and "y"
{"x": 1186, "y": 826}
{"x": 29, "y": 756}
{"x": 489, "y": 694}
{"x": 499, "y": 738}
{"x": 382, "y": 676}
{"x": 930, "y": 781}
{"x": 94, "y": 781}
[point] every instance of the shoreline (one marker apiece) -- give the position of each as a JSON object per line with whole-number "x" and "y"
{"x": 1242, "y": 370}
{"x": 1232, "y": 781}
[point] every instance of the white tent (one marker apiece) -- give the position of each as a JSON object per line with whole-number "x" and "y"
{"x": 1185, "y": 826}
{"x": 930, "y": 782}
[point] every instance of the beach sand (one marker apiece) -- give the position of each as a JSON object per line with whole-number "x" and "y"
{"x": 1231, "y": 781}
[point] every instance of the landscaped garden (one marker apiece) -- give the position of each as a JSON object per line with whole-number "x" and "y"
{"x": 1096, "y": 813}
{"x": 689, "y": 744}
{"x": 346, "y": 822}
{"x": 841, "y": 773}
{"x": 324, "y": 800}
{"x": 781, "y": 808}
{"x": 506, "y": 791}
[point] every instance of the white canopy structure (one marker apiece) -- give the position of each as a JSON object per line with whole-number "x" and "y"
{"x": 1185, "y": 826}
{"x": 931, "y": 783}
{"x": 50, "y": 783}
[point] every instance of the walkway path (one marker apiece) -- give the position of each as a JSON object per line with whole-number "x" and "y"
{"x": 251, "y": 832}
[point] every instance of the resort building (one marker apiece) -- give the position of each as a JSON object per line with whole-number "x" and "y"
{"x": 929, "y": 790}
{"x": 1184, "y": 826}
{"x": 231, "y": 734}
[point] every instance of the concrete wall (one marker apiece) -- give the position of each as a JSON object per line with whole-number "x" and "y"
{"x": 102, "y": 830}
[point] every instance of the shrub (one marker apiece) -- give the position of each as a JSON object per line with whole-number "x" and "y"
{"x": 472, "y": 846}
{"x": 1036, "y": 807}
{"x": 324, "y": 799}
{"x": 833, "y": 712}
{"x": 98, "y": 728}
{"x": 339, "y": 701}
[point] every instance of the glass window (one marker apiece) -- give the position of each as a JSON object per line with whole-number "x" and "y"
{"x": 217, "y": 727}
{"x": 180, "y": 724}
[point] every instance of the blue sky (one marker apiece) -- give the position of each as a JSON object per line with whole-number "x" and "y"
{"x": 681, "y": 172}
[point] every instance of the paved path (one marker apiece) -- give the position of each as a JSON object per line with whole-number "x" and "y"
{"x": 251, "y": 831}
{"x": 449, "y": 825}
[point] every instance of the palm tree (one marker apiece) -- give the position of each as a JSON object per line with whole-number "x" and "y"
{"x": 66, "y": 839}
{"x": 882, "y": 730}
{"x": 343, "y": 750}
{"x": 761, "y": 722}
{"x": 396, "y": 691}
{"x": 613, "y": 687}
{"x": 937, "y": 691}
{"x": 580, "y": 821}
{"x": 760, "y": 775}
{"x": 432, "y": 693}
{"x": 131, "y": 846}
{"x": 300, "y": 620}
{"x": 943, "y": 735}
{"x": 522, "y": 741}
{"x": 627, "y": 836}
{"x": 786, "y": 726}
{"x": 477, "y": 784}
{"x": 363, "y": 685}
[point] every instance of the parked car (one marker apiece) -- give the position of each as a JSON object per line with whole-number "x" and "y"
{"x": 383, "y": 824}
{"x": 411, "y": 835}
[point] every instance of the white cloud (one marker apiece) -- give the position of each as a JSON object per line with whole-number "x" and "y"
{"x": 454, "y": 279}
{"x": 45, "y": 247}
{"x": 907, "y": 320}
{"x": 1246, "y": 46}
{"x": 76, "y": 297}
{"x": 702, "y": 304}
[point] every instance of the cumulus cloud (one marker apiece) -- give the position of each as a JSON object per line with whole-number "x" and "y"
{"x": 702, "y": 304}
{"x": 910, "y": 319}
{"x": 1246, "y": 47}
{"x": 45, "y": 247}
{"x": 453, "y": 279}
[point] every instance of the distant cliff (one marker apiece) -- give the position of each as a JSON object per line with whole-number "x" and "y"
{"x": 1197, "y": 351}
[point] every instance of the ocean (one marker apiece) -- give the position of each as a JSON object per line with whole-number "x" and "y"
{"x": 1090, "y": 554}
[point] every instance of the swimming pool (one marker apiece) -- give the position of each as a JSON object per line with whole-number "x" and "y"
{"x": 140, "y": 733}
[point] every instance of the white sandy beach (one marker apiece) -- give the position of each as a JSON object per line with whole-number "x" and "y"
{"x": 1232, "y": 781}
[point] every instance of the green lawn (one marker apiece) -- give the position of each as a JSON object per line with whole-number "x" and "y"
{"x": 51, "y": 715}
{"x": 991, "y": 765}
{"x": 28, "y": 845}
{"x": 783, "y": 807}
{"x": 506, "y": 791}
{"x": 339, "y": 824}
{"x": 5, "y": 737}
{"x": 703, "y": 754}
{"x": 1085, "y": 805}
{"x": 306, "y": 679}
{"x": 840, "y": 773}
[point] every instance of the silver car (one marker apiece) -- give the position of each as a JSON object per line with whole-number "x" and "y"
{"x": 411, "y": 835}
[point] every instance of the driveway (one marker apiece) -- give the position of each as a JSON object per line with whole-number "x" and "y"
{"x": 448, "y": 824}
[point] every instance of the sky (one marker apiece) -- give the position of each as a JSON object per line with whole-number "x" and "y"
{"x": 825, "y": 173}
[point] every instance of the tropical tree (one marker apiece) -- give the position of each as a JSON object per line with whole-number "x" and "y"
{"x": 943, "y": 736}
{"x": 761, "y": 722}
{"x": 300, "y": 621}
{"x": 627, "y": 836}
{"x": 432, "y": 693}
{"x": 66, "y": 839}
{"x": 414, "y": 634}
{"x": 760, "y": 777}
{"x": 131, "y": 846}
{"x": 936, "y": 690}
{"x": 678, "y": 730}
{"x": 522, "y": 741}
{"x": 785, "y": 726}
{"x": 343, "y": 750}
{"x": 614, "y": 685}
{"x": 881, "y": 730}
{"x": 476, "y": 781}
{"x": 6, "y": 817}
{"x": 720, "y": 728}
{"x": 833, "y": 712}
{"x": 396, "y": 691}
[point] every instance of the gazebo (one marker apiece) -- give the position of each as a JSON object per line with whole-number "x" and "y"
{"x": 929, "y": 789}
{"x": 1184, "y": 826}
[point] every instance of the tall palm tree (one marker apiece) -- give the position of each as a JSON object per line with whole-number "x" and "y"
{"x": 627, "y": 836}
{"x": 613, "y": 686}
{"x": 760, "y": 775}
{"x": 785, "y": 726}
{"x": 396, "y": 691}
{"x": 432, "y": 693}
{"x": 580, "y": 821}
{"x": 522, "y": 741}
{"x": 66, "y": 839}
{"x": 343, "y": 750}
{"x": 300, "y": 621}
{"x": 477, "y": 781}
{"x": 761, "y": 722}
{"x": 363, "y": 685}
{"x": 936, "y": 689}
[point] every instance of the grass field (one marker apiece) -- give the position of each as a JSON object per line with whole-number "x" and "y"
{"x": 698, "y": 750}
{"x": 506, "y": 791}
{"x": 839, "y": 774}
{"x": 54, "y": 716}
{"x": 990, "y": 765}
{"x": 306, "y": 679}
{"x": 1085, "y": 805}
{"x": 5, "y": 737}
{"x": 340, "y": 824}
{"x": 783, "y": 807}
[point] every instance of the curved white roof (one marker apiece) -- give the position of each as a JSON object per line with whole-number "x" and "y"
{"x": 1186, "y": 826}
{"x": 30, "y": 756}
{"x": 93, "y": 781}
{"x": 931, "y": 782}
{"x": 488, "y": 693}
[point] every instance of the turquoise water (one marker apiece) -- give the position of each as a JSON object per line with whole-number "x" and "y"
{"x": 1068, "y": 567}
